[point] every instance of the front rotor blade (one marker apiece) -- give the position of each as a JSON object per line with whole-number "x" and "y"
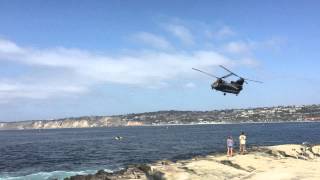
{"x": 229, "y": 71}
{"x": 205, "y": 73}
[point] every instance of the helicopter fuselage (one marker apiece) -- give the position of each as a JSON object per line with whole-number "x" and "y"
{"x": 233, "y": 87}
{"x": 220, "y": 84}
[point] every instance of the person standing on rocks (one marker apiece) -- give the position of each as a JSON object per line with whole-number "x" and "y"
{"x": 242, "y": 142}
{"x": 229, "y": 146}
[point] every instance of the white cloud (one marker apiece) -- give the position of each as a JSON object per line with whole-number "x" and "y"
{"x": 247, "y": 47}
{"x": 181, "y": 32}
{"x": 84, "y": 69}
{"x": 238, "y": 47}
{"x": 223, "y": 32}
{"x": 190, "y": 85}
{"x": 274, "y": 43}
{"x": 250, "y": 62}
{"x": 76, "y": 71}
{"x": 153, "y": 40}
{"x": 9, "y": 47}
{"x": 138, "y": 68}
{"x": 14, "y": 90}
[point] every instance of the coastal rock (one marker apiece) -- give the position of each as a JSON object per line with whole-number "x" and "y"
{"x": 142, "y": 172}
{"x": 284, "y": 162}
{"x": 316, "y": 150}
{"x": 293, "y": 150}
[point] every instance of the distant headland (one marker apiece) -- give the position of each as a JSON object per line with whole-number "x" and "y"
{"x": 301, "y": 113}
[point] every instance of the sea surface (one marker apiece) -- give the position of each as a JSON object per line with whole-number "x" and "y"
{"x": 59, "y": 153}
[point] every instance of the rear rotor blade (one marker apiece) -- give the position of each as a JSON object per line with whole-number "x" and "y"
{"x": 238, "y": 75}
{"x": 253, "y": 80}
{"x": 206, "y": 73}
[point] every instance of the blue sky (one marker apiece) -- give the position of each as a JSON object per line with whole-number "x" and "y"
{"x": 73, "y": 58}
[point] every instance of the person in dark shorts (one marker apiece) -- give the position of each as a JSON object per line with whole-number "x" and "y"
{"x": 229, "y": 146}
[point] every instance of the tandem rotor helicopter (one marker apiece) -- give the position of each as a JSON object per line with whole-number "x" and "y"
{"x": 233, "y": 87}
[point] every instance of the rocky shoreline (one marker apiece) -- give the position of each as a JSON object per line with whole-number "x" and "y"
{"x": 272, "y": 162}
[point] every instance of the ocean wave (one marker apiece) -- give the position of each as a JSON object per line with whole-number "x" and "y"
{"x": 60, "y": 175}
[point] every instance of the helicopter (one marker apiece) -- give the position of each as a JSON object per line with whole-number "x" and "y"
{"x": 233, "y": 87}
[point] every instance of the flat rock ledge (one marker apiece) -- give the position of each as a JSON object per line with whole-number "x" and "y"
{"x": 290, "y": 161}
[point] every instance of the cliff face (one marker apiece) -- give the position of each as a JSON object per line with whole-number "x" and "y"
{"x": 264, "y": 114}
{"x": 82, "y": 122}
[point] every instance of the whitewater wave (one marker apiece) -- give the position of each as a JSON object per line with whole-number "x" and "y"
{"x": 60, "y": 175}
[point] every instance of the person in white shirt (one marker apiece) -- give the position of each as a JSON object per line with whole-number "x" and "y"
{"x": 242, "y": 142}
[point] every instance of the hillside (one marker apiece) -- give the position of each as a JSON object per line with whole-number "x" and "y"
{"x": 262, "y": 114}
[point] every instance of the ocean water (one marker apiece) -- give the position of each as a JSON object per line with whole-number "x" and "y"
{"x": 59, "y": 153}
